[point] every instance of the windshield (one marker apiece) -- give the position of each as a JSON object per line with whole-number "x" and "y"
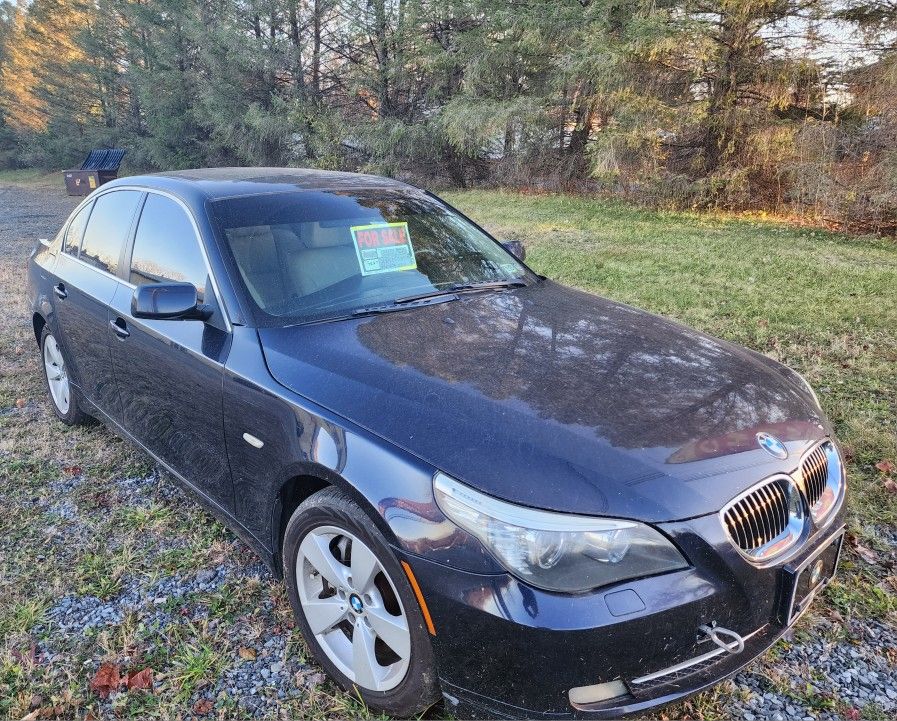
{"x": 314, "y": 255}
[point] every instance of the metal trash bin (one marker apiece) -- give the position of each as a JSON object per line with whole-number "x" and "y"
{"x": 99, "y": 167}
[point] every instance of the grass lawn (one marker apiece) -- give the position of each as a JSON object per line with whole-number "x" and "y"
{"x": 104, "y": 560}
{"x": 30, "y": 177}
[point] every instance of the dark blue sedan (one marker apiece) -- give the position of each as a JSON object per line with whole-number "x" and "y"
{"x": 478, "y": 484}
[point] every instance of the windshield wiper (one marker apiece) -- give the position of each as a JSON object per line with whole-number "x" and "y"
{"x": 406, "y": 303}
{"x": 443, "y": 295}
{"x": 456, "y": 288}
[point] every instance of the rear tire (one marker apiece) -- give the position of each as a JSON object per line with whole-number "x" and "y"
{"x": 355, "y": 607}
{"x": 65, "y": 399}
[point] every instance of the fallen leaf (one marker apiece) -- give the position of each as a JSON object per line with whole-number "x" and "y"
{"x": 864, "y": 552}
{"x": 106, "y": 680}
{"x": 72, "y": 471}
{"x": 247, "y": 654}
{"x": 101, "y": 500}
{"x": 28, "y": 656}
{"x": 884, "y": 466}
{"x": 306, "y": 679}
{"x": 30, "y": 717}
{"x": 140, "y": 680}
{"x": 20, "y": 402}
{"x": 890, "y": 485}
{"x": 36, "y": 700}
{"x": 853, "y": 714}
{"x": 202, "y": 707}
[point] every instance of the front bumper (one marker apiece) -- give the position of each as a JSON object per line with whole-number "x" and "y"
{"x": 496, "y": 635}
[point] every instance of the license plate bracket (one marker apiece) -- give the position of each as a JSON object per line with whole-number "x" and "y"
{"x": 801, "y": 583}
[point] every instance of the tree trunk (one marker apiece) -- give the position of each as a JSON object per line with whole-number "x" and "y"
{"x": 296, "y": 42}
{"x": 316, "y": 48}
{"x": 381, "y": 49}
{"x": 720, "y": 126}
{"x": 585, "y": 107}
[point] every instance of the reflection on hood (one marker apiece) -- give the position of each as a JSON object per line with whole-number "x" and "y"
{"x": 554, "y": 398}
{"x": 637, "y": 379}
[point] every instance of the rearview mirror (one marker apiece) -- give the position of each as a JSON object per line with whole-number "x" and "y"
{"x": 515, "y": 248}
{"x": 168, "y": 301}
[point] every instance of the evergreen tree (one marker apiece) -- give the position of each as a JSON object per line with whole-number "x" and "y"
{"x": 731, "y": 103}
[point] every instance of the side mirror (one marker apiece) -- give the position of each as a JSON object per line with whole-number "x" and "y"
{"x": 515, "y": 248}
{"x": 168, "y": 301}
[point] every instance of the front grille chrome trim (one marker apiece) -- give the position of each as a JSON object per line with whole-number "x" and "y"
{"x": 821, "y": 477}
{"x": 766, "y": 520}
{"x": 771, "y": 517}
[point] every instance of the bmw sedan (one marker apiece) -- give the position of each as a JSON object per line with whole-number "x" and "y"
{"x": 477, "y": 484}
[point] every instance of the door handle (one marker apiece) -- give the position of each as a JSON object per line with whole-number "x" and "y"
{"x": 119, "y": 327}
{"x": 60, "y": 291}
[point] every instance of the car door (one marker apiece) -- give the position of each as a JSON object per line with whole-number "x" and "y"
{"x": 169, "y": 372}
{"x": 83, "y": 288}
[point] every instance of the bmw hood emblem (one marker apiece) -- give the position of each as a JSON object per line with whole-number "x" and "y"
{"x": 772, "y": 445}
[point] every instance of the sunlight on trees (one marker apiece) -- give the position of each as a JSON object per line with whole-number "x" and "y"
{"x": 774, "y": 105}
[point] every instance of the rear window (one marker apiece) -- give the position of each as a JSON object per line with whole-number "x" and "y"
{"x": 75, "y": 230}
{"x": 312, "y": 255}
{"x": 108, "y": 229}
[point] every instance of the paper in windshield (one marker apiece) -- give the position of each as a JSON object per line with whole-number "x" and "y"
{"x": 383, "y": 247}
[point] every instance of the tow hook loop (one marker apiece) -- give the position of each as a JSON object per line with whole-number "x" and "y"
{"x": 719, "y": 636}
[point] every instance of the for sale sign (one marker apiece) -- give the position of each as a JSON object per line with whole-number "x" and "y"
{"x": 383, "y": 247}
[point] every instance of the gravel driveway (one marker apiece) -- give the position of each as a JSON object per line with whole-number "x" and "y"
{"x": 107, "y": 563}
{"x": 27, "y": 214}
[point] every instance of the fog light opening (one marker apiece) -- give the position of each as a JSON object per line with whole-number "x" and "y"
{"x": 585, "y": 695}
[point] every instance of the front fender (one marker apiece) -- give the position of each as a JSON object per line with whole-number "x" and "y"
{"x": 301, "y": 439}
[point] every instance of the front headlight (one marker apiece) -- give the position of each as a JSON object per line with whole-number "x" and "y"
{"x": 557, "y": 551}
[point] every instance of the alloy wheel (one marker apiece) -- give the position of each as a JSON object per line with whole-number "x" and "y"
{"x": 352, "y": 608}
{"x": 57, "y": 376}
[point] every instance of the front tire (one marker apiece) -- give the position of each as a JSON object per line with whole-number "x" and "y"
{"x": 64, "y": 397}
{"x": 355, "y": 607}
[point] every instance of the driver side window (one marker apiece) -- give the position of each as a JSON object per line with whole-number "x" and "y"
{"x": 166, "y": 248}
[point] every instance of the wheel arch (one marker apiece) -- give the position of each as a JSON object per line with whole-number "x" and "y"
{"x": 301, "y": 483}
{"x": 39, "y": 323}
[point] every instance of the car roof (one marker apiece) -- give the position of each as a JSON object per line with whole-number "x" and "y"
{"x": 218, "y": 183}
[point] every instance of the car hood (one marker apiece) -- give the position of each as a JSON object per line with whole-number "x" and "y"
{"x": 558, "y": 399}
